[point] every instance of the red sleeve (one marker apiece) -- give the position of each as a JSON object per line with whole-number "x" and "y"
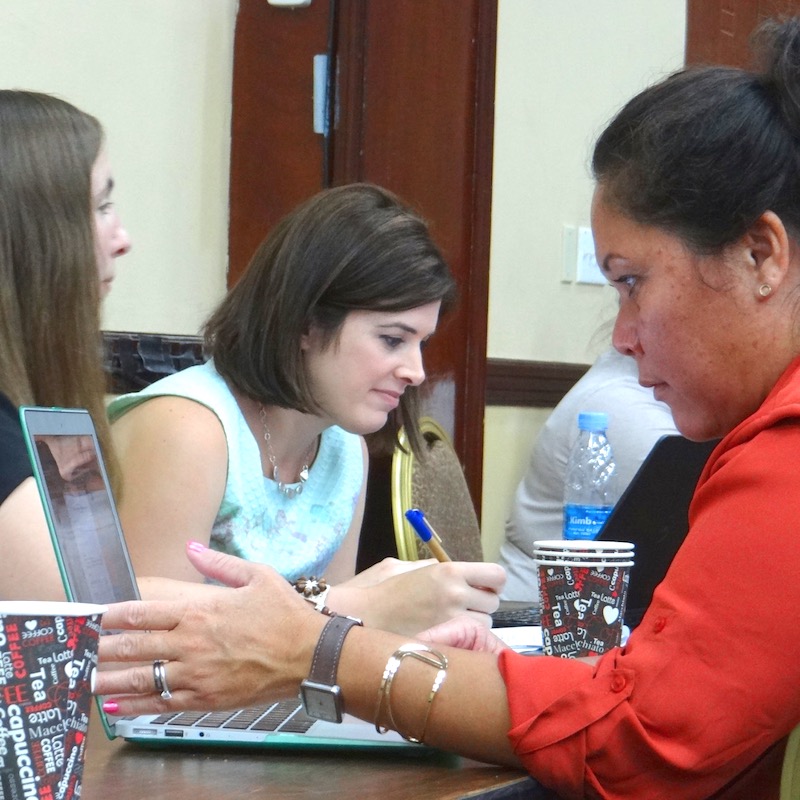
{"x": 709, "y": 680}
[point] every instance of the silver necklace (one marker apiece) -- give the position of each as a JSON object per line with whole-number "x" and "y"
{"x": 289, "y": 491}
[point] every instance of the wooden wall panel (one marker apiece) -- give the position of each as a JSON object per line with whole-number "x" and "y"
{"x": 416, "y": 115}
{"x": 276, "y": 158}
{"x": 414, "y": 112}
{"x": 718, "y": 31}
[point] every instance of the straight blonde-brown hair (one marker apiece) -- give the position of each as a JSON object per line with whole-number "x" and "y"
{"x": 50, "y": 343}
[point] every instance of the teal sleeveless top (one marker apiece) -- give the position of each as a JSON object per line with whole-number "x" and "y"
{"x": 296, "y": 536}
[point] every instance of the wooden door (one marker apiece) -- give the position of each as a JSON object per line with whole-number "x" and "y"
{"x": 718, "y": 31}
{"x": 276, "y": 158}
{"x": 413, "y": 111}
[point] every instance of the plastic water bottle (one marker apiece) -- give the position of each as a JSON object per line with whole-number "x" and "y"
{"x": 590, "y": 489}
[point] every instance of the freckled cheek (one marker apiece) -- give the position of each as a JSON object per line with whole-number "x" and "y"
{"x": 666, "y": 324}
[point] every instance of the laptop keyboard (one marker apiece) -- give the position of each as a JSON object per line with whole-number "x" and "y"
{"x": 516, "y": 617}
{"x": 286, "y": 716}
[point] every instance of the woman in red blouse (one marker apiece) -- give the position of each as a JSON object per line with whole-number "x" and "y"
{"x": 696, "y": 221}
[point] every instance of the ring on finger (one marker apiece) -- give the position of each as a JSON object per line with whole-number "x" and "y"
{"x": 160, "y": 679}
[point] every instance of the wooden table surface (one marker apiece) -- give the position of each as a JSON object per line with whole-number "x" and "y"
{"x": 124, "y": 771}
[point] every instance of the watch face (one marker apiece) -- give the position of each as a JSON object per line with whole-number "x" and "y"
{"x": 321, "y": 701}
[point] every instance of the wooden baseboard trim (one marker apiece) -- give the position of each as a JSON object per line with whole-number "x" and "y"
{"x": 134, "y": 360}
{"x": 529, "y": 384}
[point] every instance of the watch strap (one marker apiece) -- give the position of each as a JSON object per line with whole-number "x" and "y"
{"x": 325, "y": 661}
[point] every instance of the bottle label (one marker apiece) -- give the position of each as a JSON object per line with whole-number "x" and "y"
{"x": 584, "y": 522}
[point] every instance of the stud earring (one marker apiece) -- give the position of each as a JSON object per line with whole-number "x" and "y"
{"x": 765, "y": 290}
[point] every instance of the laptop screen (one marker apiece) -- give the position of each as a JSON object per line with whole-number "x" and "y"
{"x": 84, "y": 523}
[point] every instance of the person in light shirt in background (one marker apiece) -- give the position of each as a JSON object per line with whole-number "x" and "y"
{"x": 636, "y": 421}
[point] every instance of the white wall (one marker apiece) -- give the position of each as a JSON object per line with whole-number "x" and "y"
{"x": 157, "y": 73}
{"x": 563, "y": 69}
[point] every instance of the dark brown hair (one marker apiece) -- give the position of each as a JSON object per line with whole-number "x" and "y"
{"x": 354, "y": 247}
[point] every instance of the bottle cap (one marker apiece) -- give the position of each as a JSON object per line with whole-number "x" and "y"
{"x": 592, "y": 420}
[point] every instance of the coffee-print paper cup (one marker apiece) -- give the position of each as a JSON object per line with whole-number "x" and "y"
{"x": 48, "y": 652}
{"x": 582, "y": 597}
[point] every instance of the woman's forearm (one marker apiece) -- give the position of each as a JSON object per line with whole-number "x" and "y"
{"x": 469, "y": 713}
{"x": 229, "y": 648}
{"x": 155, "y": 588}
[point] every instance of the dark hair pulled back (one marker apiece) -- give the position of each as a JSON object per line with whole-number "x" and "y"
{"x": 705, "y": 152}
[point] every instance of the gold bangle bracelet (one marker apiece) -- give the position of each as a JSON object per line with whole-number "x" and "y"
{"x": 389, "y": 671}
{"x": 419, "y": 652}
{"x": 392, "y": 665}
{"x": 437, "y": 683}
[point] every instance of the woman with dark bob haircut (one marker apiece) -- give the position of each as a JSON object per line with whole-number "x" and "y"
{"x": 260, "y": 452}
{"x": 696, "y": 218}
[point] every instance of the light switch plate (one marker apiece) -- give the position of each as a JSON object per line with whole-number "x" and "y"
{"x": 569, "y": 248}
{"x": 588, "y": 270}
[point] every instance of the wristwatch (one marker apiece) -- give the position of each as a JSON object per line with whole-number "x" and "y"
{"x": 321, "y": 695}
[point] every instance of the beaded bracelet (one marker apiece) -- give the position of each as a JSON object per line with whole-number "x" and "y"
{"x": 426, "y": 655}
{"x": 315, "y": 590}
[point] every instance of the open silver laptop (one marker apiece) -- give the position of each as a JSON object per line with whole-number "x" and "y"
{"x": 95, "y": 567}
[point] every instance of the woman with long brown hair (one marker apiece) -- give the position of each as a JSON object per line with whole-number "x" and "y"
{"x": 59, "y": 237}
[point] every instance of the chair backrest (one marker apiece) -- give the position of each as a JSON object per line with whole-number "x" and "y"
{"x": 790, "y": 774}
{"x": 436, "y": 484}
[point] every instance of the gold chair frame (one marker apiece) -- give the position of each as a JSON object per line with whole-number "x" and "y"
{"x": 790, "y": 774}
{"x": 409, "y": 547}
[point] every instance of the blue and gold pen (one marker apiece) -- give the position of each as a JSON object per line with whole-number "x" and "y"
{"x": 427, "y": 533}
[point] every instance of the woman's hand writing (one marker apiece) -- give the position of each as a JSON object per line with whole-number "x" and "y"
{"x": 416, "y": 599}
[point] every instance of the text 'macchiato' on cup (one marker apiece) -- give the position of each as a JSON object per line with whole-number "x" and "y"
{"x": 48, "y": 652}
{"x": 583, "y": 587}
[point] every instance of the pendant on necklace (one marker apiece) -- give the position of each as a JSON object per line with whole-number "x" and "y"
{"x": 288, "y": 490}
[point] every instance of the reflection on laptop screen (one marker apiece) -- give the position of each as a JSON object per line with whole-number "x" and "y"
{"x": 83, "y": 519}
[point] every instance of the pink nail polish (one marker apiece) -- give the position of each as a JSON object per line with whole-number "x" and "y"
{"x": 197, "y": 547}
{"x": 110, "y": 707}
